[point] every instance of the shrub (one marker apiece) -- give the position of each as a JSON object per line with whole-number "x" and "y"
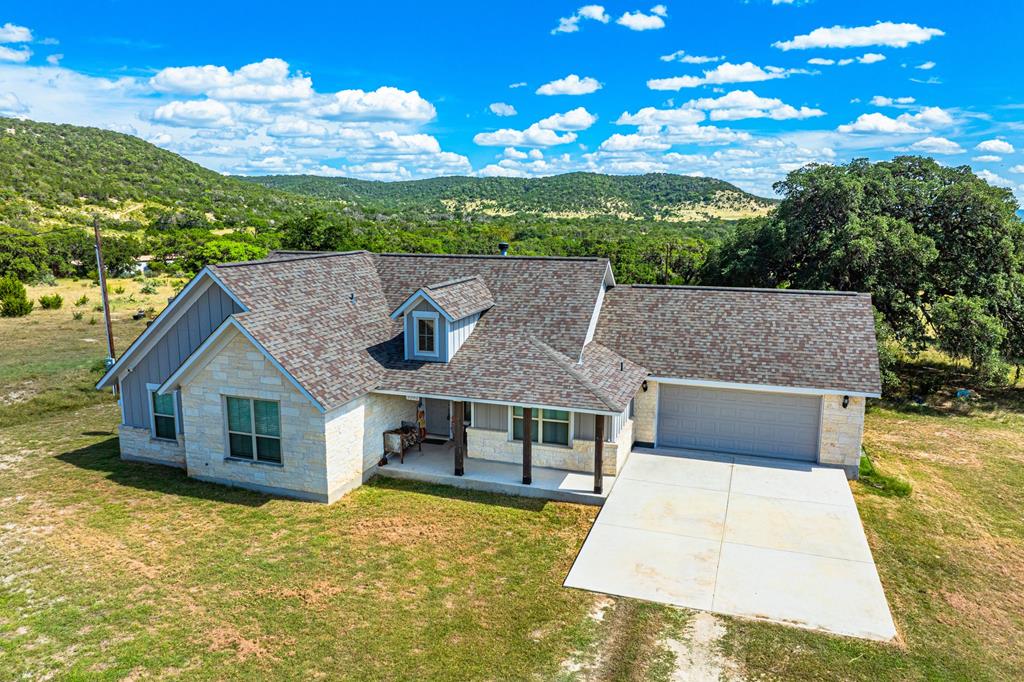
{"x": 46, "y": 277}
{"x": 148, "y": 288}
{"x": 9, "y": 286}
{"x": 119, "y": 289}
{"x": 77, "y": 315}
{"x": 13, "y": 301}
{"x": 92, "y": 320}
{"x": 84, "y": 300}
{"x": 51, "y": 302}
{"x": 98, "y": 308}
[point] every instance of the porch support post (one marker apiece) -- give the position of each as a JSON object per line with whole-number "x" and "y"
{"x": 527, "y": 445}
{"x": 459, "y": 432}
{"x": 598, "y": 452}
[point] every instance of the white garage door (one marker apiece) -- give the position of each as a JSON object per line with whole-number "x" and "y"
{"x": 743, "y": 422}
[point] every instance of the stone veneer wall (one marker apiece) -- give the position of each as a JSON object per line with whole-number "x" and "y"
{"x": 841, "y": 432}
{"x": 355, "y": 438}
{"x": 381, "y": 413}
{"x": 139, "y": 445}
{"x": 496, "y": 446}
{"x": 239, "y": 369}
{"x": 645, "y": 411}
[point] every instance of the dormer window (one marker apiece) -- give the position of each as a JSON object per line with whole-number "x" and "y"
{"x": 437, "y": 319}
{"x": 426, "y": 332}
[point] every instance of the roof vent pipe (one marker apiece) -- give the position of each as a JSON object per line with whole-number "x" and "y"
{"x": 503, "y": 248}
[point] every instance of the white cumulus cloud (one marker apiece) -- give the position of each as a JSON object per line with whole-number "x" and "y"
{"x": 638, "y": 21}
{"x": 571, "y": 24}
{"x": 684, "y": 58}
{"x": 747, "y": 72}
{"x": 926, "y": 66}
{"x": 743, "y": 104}
{"x": 576, "y": 119}
{"x": 11, "y": 33}
{"x": 927, "y": 119}
{"x": 884, "y": 33}
{"x": 881, "y": 101}
{"x": 206, "y": 113}
{"x": 937, "y": 145}
{"x": 502, "y": 109}
{"x": 570, "y": 85}
{"x": 995, "y": 146}
{"x": 18, "y": 56}
{"x": 386, "y": 103}
{"x": 264, "y": 81}
{"x": 634, "y": 142}
{"x": 534, "y": 136}
{"x": 871, "y": 58}
{"x": 996, "y": 180}
{"x": 650, "y": 116}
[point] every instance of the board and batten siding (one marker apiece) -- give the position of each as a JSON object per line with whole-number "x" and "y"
{"x": 458, "y": 332}
{"x": 583, "y": 426}
{"x": 495, "y": 418}
{"x": 175, "y": 345}
{"x": 490, "y": 417}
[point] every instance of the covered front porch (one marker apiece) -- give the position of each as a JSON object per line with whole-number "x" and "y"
{"x": 436, "y": 465}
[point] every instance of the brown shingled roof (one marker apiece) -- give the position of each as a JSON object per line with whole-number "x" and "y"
{"x": 772, "y": 337}
{"x": 460, "y": 297}
{"x": 324, "y": 318}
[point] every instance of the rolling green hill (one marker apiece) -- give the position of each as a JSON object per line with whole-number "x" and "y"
{"x": 56, "y": 175}
{"x": 655, "y": 196}
{"x": 54, "y": 179}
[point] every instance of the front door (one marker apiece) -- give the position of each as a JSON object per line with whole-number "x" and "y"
{"x": 438, "y": 417}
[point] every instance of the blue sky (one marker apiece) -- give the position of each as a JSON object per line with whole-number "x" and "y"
{"x": 741, "y": 90}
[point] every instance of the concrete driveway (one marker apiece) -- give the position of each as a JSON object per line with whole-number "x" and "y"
{"x": 769, "y": 539}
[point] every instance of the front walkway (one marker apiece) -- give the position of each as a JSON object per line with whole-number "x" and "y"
{"x": 437, "y": 465}
{"x": 768, "y": 539}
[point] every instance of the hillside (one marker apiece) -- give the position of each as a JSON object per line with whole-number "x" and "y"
{"x": 655, "y": 196}
{"x": 54, "y": 175}
{"x": 55, "y": 178}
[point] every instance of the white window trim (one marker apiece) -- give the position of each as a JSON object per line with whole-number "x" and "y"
{"x": 539, "y": 412}
{"x": 150, "y": 390}
{"x": 418, "y": 315}
{"x": 252, "y": 434}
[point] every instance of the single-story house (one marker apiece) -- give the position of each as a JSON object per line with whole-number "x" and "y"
{"x": 281, "y": 375}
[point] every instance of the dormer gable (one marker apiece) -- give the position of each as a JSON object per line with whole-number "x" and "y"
{"x": 438, "y": 318}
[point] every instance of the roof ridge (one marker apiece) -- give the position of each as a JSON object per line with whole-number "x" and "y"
{"x": 760, "y": 290}
{"x": 308, "y": 255}
{"x": 451, "y": 282}
{"x": 569, "y": 366}
{"x": 495, "y": 256}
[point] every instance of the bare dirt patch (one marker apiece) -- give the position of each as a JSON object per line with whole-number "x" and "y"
{"x": 699, "y": 657}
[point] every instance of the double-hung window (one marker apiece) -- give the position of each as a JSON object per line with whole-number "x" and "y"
{"x": 425, "y": 325}
{"x": 254, "y": 429}
{"x": 164, "y": 414}
{"x": 550, "y": 427}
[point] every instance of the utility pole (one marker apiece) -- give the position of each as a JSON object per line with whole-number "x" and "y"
{"x": 101, "y": 274}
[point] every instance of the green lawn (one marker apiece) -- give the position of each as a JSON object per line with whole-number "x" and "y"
{"x": 111, "y": 569}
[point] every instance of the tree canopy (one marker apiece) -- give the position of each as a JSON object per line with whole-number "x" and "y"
{"x": 936, "y": 247}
